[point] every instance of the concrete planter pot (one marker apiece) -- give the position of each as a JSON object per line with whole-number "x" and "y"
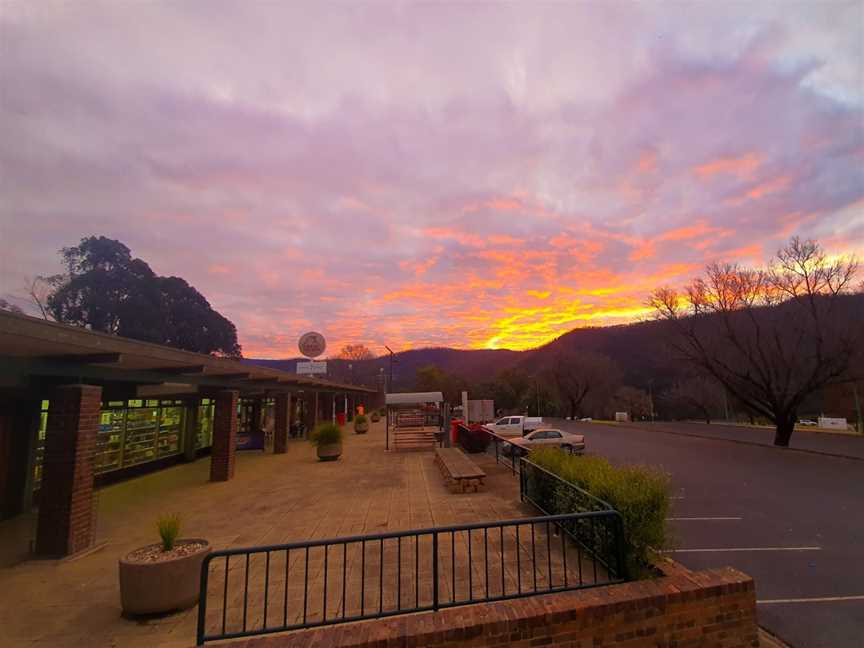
{"x": 361, "y": 428}
{"x": 161, "y": 586}
{"x": 329, "y": 451}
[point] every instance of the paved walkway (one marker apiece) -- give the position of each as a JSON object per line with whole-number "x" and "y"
{"x": 273, "y": 499}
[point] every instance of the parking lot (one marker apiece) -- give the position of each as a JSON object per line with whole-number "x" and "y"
{"x": 793, "y": 520}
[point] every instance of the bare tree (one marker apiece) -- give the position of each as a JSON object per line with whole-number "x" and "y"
{"x": 772, "y": 336}
{"x": 580, "y": 378}
{"x": 355, "y": 352}
{"x": 632, "y": 400}
{"x": 696, "y": 393}
{"x": 10, "y": 307}
{"x": 40, "y": 289}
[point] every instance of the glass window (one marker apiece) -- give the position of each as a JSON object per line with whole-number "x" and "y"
{"x": 141, "y": 430}
{"x": 170, "y": 430}
{"x": 109, "y": 440}
{"x": 204, "y": 438}
{"x": 39, "y": 454}
{"x": 553, "y": 435}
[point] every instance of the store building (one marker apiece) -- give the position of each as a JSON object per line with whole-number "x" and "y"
{"x": 79, "y": 410}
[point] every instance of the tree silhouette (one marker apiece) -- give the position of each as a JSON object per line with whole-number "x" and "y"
{"x": 106, "y": 289}
{"x": 772, "y": 336}
{"x": 355, "y": 352}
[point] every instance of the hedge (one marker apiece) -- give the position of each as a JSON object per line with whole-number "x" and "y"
{"x": 639, "y": 493}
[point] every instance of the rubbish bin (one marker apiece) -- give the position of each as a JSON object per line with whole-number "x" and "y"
{"x": 454, "y": 431}
{"x": 340, "y": 418}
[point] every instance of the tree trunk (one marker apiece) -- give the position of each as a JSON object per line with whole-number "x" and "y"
{"x": 785, "y": 427}
{"x": 573, "y": 409}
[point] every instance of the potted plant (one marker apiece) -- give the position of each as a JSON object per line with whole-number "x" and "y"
{"x": 327, "y": 438}
{"x": 376, "y": 416}
{"x": 165, "y": 576}
{"x": 361, "y": 424}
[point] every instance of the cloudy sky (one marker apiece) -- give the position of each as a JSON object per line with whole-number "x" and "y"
{"x": 471, "y": 175}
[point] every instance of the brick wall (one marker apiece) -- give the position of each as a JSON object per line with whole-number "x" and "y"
{"x": 65, "y": 523}
{"x": 282, "y": 420}
{"x": 224, "y": 436}
{"x": 715, "y": 608}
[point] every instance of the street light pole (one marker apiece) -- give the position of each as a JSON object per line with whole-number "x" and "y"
{"x": 390, "y": 381}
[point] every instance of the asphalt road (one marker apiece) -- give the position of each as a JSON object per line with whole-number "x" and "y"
{"x": 792, "y": 520}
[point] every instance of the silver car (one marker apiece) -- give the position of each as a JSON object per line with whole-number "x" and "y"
{"x": 550, "y": 438}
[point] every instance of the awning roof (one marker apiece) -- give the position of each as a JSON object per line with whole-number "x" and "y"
{"x": 32, "y": 348}
{"x": 416, "y": 398}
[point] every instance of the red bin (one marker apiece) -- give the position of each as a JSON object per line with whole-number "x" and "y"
{"x": 340, "y": 418}
{"x": 454, "y": 430}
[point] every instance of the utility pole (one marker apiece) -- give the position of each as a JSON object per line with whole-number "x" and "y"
{"x": 390, "y": 382}
{"x": 537, "y": 391}
{"x": 651, "y": 400}
{"x": 860, "y": 425}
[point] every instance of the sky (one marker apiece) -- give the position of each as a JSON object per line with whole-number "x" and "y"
{"x": 480, "y": 175}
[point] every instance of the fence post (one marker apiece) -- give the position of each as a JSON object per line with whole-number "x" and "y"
{"x": 202, "y": 600}
{"x": 435, "y": 570}
{"x": 521, "y": 484}
{"x": 619, "y": 541}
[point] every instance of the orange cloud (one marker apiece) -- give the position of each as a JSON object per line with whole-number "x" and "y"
{"x": 465, "y": 238}
{"x": 769, "y": 187}
{"x": 742, "y": 166}
{"x": 647, "y": 162}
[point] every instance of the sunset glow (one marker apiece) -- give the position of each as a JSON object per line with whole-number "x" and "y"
{"x": 475, "y": 176}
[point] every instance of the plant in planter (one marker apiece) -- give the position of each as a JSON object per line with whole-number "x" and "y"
{"x": 162, "y": 577}
{"x": 376, "y": 416}
{"x": 361, "y": 424}
{"x": 327, "y": 438}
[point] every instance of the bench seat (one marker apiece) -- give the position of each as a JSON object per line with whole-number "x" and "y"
{"x": 461, "y": 474}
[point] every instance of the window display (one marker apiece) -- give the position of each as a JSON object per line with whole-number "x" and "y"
{"x": 109, "y": 441}
{"x": 170, "y": 429}
{"x": 39, "y": 453}
{"x": 141, "y": 429}
{"x": 204, "y": 438}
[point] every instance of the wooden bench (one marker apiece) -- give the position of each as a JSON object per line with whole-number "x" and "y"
{"x": 460, "y": 473}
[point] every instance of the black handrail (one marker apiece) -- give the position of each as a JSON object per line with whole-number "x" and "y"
{"x": 422, "y": 557}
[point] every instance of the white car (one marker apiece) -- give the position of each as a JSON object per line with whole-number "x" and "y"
{"x": 515, "y": 426}
{"x": 551, "y": 438}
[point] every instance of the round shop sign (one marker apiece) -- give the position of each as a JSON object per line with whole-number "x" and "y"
{"x": 312, "y": 344}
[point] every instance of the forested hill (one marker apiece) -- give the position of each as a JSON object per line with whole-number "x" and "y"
{"x": 639, "y": 349}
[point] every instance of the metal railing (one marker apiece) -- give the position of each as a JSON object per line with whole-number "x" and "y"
{"x": 506, "y": 452}
{"x": 275, "y": 588}
{"x": 552, "y": 495}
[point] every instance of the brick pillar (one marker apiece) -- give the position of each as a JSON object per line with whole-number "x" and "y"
{"x": 65, "y": 524}
{"x": 224, "y": 436}
{"x": 282, "y": 415}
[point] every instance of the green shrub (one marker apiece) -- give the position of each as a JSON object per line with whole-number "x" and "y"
{"x": 360, "y": 418}
{"x": 639, "y": 493}
{"x": 326, "y": 433}
{"x": 169, "y": 529}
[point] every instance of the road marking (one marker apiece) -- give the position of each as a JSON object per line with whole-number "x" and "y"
{"x": 745, "y": 549}
{"x": 823, "y": 599}
{"x": 701, "y": 519}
